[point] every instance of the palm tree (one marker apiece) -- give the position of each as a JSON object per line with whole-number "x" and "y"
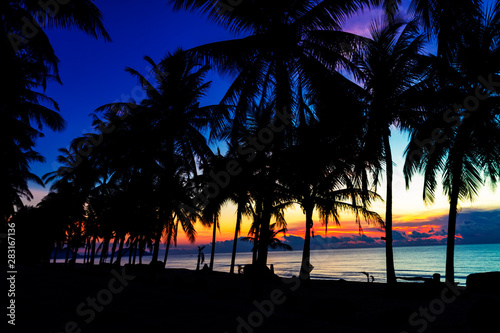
{"x": 175, "y": 122}
{"x": 391, "y": 71}
{"x": 240, "y": 187}
{"x": 462, "y": 144}
{"x": 324, "y": 182}
{"x": 287, "y": 45}
{"x": 29, "y": 62}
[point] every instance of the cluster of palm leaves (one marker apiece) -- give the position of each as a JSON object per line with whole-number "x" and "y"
{"x": 27, "y": 65}
{"x": 294, "y": 129}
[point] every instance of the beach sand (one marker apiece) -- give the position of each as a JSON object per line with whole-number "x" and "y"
{"x": 55, "y": 299}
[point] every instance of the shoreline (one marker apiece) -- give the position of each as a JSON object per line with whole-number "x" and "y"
{"x": 181, "y": 300}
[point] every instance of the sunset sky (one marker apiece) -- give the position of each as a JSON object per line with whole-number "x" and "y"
{"x": 93, "y": 74}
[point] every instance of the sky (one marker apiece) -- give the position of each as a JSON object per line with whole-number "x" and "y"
{"x": 93, "y": 74}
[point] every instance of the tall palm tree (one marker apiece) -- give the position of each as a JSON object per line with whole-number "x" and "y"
{"x": 240, "y": 187}
{"x": 29, "y": 61}
{"x": 324, "y": 182}
{"x": 287, "y": 44}
{"x": 462, "y": 143}
{"x": 391, "y": 71}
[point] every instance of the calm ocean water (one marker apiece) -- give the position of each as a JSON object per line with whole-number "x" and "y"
{"x": 349, "y": 263}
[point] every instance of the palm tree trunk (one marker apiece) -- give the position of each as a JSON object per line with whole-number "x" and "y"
{"x": 212, "y": 254}
{"x": 120, "y": 251}
{"x": 156, "y": 249}
{"x": 86, "y": 248}
{"x": 92, "y": 253}
{"x": 306, "y": 253}
{"x": 255, "y": 244}
{"x": 131, "y": 243}
{"x": 141, "y": 249}
{"x": 113, "y": 249}
{"x": 235, "y": 243}
{"x": 389, "y": 255}
{"x": 73, "y": 258}
{"x": 264, "y": 236}
{"x": 104, "y": 250}
{"x": 136, "y": 242}
{"x": 167, "y": 248}
{"x": 67, "y": 252}
{"x": 452, "y": 222}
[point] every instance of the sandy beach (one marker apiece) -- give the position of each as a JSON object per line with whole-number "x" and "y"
{"x": 106, "y": 299}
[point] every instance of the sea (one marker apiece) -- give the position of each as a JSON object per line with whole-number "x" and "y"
{"x": 349, "y": 264}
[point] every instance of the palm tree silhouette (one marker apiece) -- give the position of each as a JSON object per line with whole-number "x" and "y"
{"x": 460, "y": 144}
{"x": 174, "y": 121}
{"x": 284, "y": 41}
{"x": 29, "y": 62}
{"x": 391, "y": 71}
{"x": 319, "y": 182}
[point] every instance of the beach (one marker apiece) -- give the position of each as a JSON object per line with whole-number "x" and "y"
{"x": 106, "y": 299}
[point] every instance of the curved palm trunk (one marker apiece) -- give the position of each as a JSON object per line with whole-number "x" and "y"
{"x": 452, "y": 222}
{"x": 389, "y": 255}
{"x": 212, "y": 254}
{"x": 235, "y": 243}
{"x": 306, "y": 253}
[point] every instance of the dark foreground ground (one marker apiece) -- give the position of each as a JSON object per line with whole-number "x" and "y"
{"x": 81, "y": 300}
